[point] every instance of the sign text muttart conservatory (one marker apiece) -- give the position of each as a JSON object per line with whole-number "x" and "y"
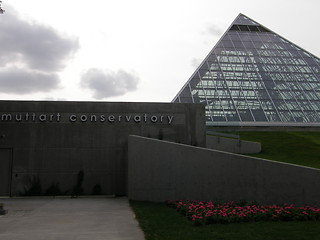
{"x": 84, "y": 118}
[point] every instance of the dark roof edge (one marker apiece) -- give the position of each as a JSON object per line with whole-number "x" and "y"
{"x": 263, "y": 124}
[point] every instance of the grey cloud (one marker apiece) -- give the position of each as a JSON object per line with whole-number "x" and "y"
{"x": 32, "y": 44}
{"x": 213, "y": 29}
{"x": 31, "y": 55}
{"x": 18, "y": 81}
{"x": 195, "y": 62}
{"x": 106, "y": 84}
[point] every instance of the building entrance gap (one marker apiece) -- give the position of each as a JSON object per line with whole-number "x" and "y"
{"x": 5, "y": 171}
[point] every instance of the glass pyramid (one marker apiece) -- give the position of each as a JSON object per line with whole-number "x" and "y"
{"x": 253, "y": 76}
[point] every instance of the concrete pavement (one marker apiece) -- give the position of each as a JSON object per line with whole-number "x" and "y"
{"x": 68, "y": 219}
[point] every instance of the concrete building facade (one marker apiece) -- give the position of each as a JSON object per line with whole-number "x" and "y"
{"x": 72, "y": 148}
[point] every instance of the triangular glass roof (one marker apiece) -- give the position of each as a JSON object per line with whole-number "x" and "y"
{"x": 253, "y": 76}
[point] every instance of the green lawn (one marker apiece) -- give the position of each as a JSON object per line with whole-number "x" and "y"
{"x": 160, "y": 222}
{"x": 302, "y": 148}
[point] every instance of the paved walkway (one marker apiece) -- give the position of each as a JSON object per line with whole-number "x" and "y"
{"x": 68, "y": 219}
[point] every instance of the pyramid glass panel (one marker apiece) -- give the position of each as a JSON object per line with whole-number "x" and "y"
{"x": 253, "y": 75}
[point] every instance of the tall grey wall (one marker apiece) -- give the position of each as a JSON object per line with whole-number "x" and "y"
{"x": 159, "y": 171}
{"x": 51, "y": 142}
{"x": 232, "y": 145}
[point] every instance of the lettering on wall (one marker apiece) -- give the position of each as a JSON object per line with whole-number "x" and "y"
{"x": 87, "y": 118}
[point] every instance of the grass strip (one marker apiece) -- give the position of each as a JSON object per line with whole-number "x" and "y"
{"x": 301, "y": 148}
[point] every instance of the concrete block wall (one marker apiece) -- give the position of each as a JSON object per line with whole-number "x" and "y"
{"x": 232, "y": 145}
{"x": 160, "y": 170}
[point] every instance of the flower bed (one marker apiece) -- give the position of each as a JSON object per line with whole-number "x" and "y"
{"x": 201, "y": 213}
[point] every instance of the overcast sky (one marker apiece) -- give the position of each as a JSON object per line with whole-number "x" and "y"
{"x": 124, "y": 50}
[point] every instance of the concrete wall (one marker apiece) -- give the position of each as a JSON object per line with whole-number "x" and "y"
{"x": 232, "y": 145}
{"x": 159, "y": 171}
{"x": 53, "y": 141}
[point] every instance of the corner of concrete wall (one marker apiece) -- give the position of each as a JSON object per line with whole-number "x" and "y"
{"x": 160, "y": 171}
